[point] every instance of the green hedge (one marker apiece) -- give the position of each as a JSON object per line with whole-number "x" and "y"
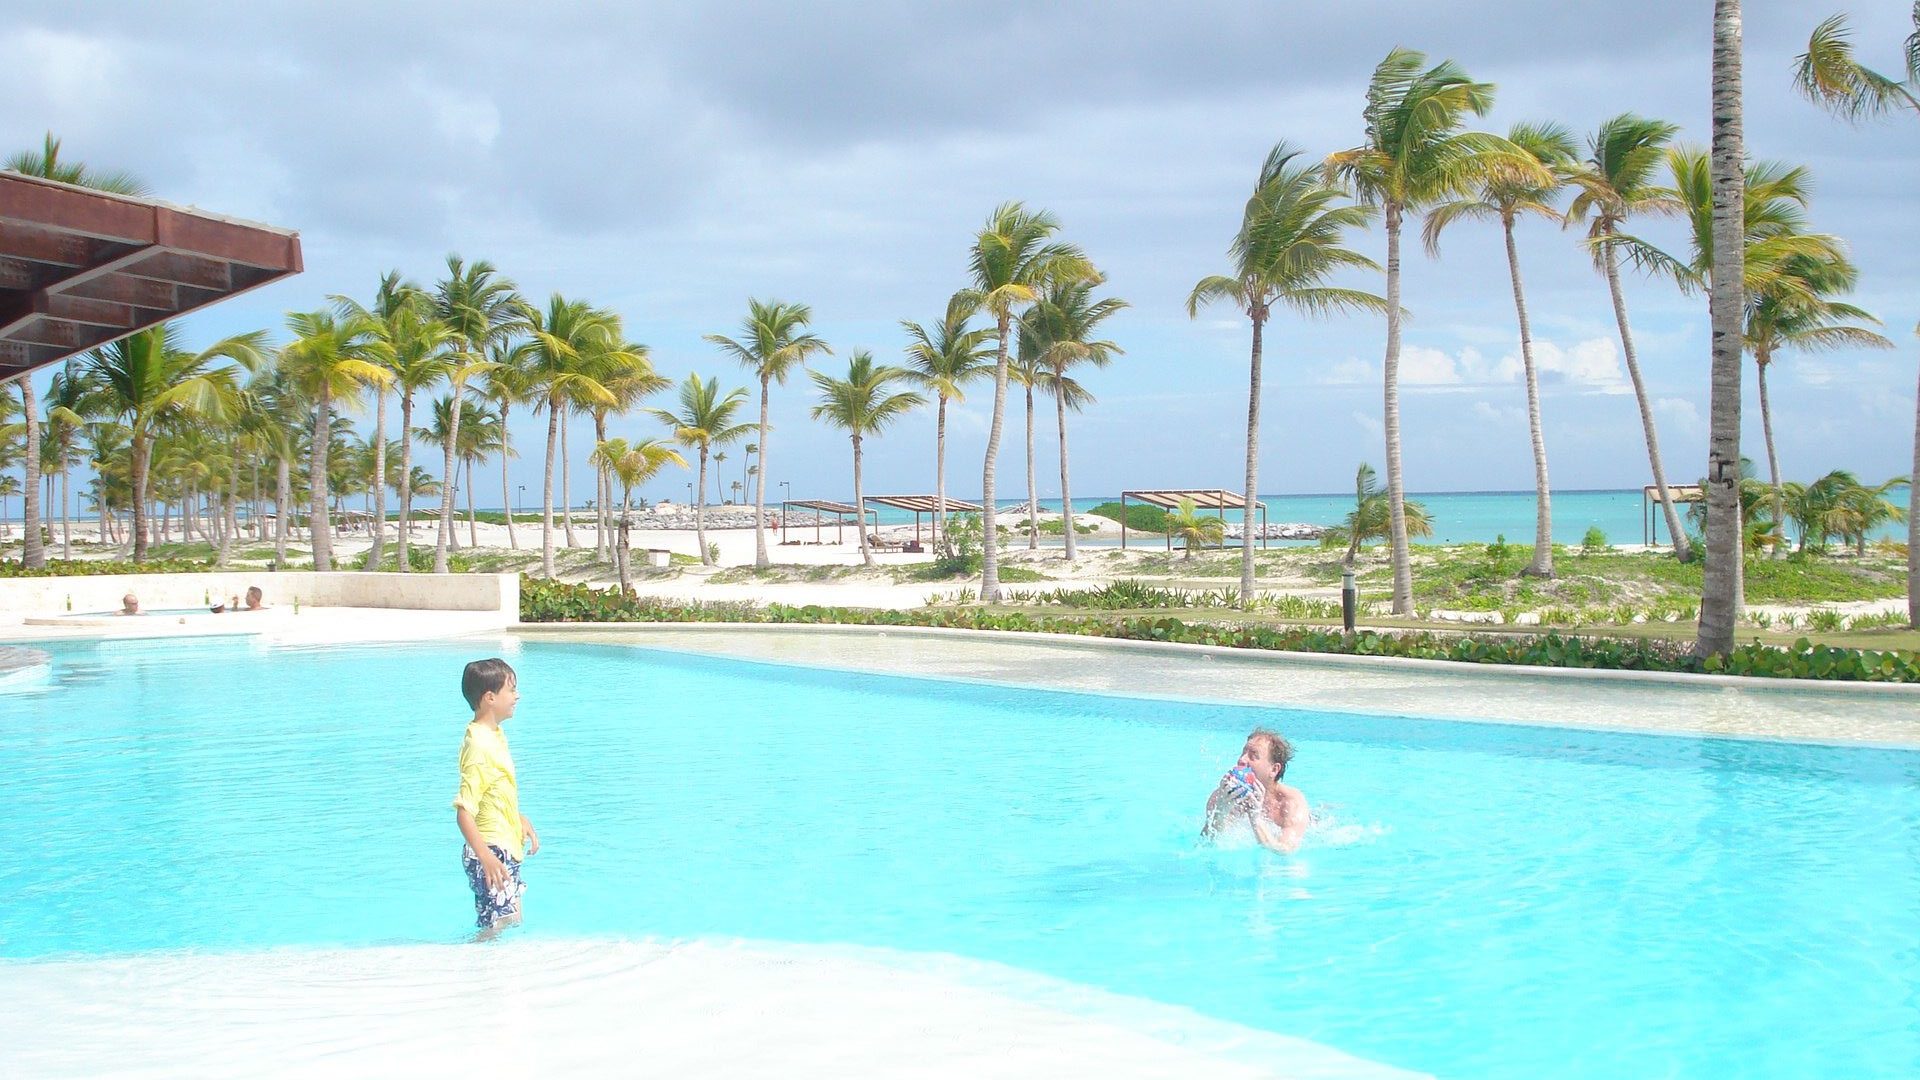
{"x": 547, "y": 601}
{"x": 100, "y": 567}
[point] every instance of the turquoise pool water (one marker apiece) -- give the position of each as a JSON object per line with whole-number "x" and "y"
{"x": 1481, "y": 900}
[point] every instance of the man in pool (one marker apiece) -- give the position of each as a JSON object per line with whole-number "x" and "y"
{"x": 130, "y": 605}
{"x": 487, "y": 809}
{"x": 1252, "y": 792}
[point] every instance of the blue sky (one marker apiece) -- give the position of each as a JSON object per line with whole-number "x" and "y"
{"x": 670, "y": 162}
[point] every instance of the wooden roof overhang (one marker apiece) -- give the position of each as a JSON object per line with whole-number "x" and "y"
{"x": 824, "y": 506}
{"x": 924, "y": 504}
{"x": 80, "y": 268}
{"x": 1203, "y": 498}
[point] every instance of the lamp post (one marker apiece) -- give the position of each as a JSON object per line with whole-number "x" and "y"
{"x": 689, "y": 493}
{"x": 521, "y": 500}
{"x": 1349, "y": 599}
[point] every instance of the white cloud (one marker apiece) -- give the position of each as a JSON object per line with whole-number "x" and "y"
{"x": 1684, "y": 413}
{"x": 1372, "y": 425}
{"x": 1592, "y": 364}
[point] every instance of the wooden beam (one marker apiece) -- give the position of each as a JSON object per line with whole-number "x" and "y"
{"x": 139, "y": 292}
{"x": 182, "y": 269}
{"x": 20, "y": 241}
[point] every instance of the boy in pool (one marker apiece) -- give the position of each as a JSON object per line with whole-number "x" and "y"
{"x": 1252, "y": 791}
{"x": 488, "y": 806}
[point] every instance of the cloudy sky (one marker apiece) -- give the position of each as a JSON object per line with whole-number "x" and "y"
{"x": 669, "y": 161}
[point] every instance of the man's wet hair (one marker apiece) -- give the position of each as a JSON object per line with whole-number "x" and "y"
{"x": 1278, "y": 748}
{"x": 483, "y": 677}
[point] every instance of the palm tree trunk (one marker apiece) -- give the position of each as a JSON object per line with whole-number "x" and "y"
{"x": 566, "y": 486}
{"x": 1720, "y": 580}
{"x": 377, "y": 548}
{"x": 939, "y": 477}
{"x": 1066, "y": 489}
{"x": 621, "y": 552}
{"x": 282, "y": 510}
{"x": 759, "y": 490}
{"x": 1396, "y": 491}
{"x": 1761, "y": 359}
{"x": 860, "y": 506}
{"x": 140, "y": 453}
{"x": 546, "y": 491}
{"x": 1253, "y": 461}
{"x": 225, "y": 550}
{"x": 506, "y": 496}
{"x": 1679, "y": 535}
{"x": 602, "y": 493}
{"x": 1913, "y": 523}
{"x": 700, "y": 510}
{"x": 318, "y": 525}
{"x": 989, "y": 524}
{"x": 66, "y": 502}
{"x": 406, "y": 482}
{"x": 448, "y": 473}
{"x": 1033, "y": 497}
{"x": 473, "y": 526}
{"x": 33, "y": 552}
{"x": 1542, "y": 564}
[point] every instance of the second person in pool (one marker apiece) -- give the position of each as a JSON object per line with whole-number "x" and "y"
{"x": 1252, "y": 793}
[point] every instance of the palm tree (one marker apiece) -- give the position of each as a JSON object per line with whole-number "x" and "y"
{"x": 1013, "y": 258}
{"x": 46, "y": 163}
{"x": 400, "y": 310}
{"x": 863, "y": 404}
{"x": 944, "y": 360}
{"x": 1503, "y": 196}
{"x": 1370, "y": 520}
{"x": 1194, "y": 529}
{"x": 1024, "y": 369}
{"x": 330, "y": 358}
{"x": 629, "y": 378}
{"x": 1291, "y": 240}
{"x": 1064, "y": 323}
{"x": 146, "y": 379}
{"x": 424, "y": 352}
{"x": 1803, "y": 316}
{"x": 705, "y": 420}
{"x": 480, "y": 308}
{"x": 574, "y": 345}
{"x": 1614, "y": 184}
{"x": 1720, "y": 587}
{"x": 1829, "y": 74}
{"x": 508, "y": 384}
{"x": 73, "y": 401}
{"x": 771, "y": 344}
{"x": 1415, "y": 155}
{"x": 479, "y": 438}
{"x": 630, "y": 465}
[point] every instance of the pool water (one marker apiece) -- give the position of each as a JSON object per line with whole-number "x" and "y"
{"x": 1478, "y": 900}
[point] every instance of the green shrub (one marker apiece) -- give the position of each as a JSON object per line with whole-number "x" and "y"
{"x": 549, "y": 601}
{"x": 102, "y": 567}
{"x": 1825, "y": 620}
{"x": 1595, "y": 540}
{"x": 1138, "y": 517}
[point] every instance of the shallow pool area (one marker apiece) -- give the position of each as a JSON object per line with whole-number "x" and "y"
{"x": 1476, "y": 900}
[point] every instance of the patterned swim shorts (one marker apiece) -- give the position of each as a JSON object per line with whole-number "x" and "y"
{"x": 492, "y": 905}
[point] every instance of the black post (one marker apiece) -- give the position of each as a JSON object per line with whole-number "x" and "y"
{"x": 1349, "y": 599}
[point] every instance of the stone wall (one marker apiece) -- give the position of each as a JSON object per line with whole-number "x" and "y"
{"x": 421, "y": 592}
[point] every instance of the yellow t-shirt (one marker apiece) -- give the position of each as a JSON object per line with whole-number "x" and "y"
{"x": 488, "y": 789}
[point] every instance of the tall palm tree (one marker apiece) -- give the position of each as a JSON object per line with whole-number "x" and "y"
{"x": 1829, "y": 74}
{"x": 1503, "y": 196}
{"x": 331, "y": 359}
{"x": 772, "y": 342}
{"x": 1024, "y": 368}
{"x": 863, "y": 404}
{"x": 1614, "y": 184}
{"x": 1415, "y": 155}
{"x": 1720, "y": 587}
{"x": 1291, "y": 241}
{"x": 1065, "y": 322}
{"x": 46, "y": 163}
{"x": 1803, "y": 316}
{"x": 73, "y": 401}
{"x": 629, "y": 378}
{"x": 424, "y": 351}
{"x": 630, "y": 465}
{"x": 944, "y": 360}
{"x": 574, "y": 345}
{"x": 508, "y": 383}
{"x": 480, "y": 307}
{"x": 146, "y": 379}
{"x": 479, "y": 438}
{"x": 1013, "y": 258}
{"x": 706, "y": 419}
{"x": 400, "y": 309}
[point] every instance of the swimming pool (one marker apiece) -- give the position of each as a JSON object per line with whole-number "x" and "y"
{"x": 1482, "y": 900}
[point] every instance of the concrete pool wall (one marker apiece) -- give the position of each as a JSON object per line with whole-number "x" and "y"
{"x": 56, "y": 597}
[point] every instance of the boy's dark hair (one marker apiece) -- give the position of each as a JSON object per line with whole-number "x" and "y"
{"x": 483, "y": 677}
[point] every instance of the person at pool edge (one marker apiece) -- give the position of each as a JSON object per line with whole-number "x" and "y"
{"x": 487, "y": 808}
{"x": 1252, "y": 791}
{"x": 130, "y": 605}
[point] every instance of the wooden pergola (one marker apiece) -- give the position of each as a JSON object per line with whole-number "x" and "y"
{"x": 924, "y": 504}
{"x": 1218, "y": 499}
{"x": 1650, "y": 513}
{"x": 840, "y": 511}
{"x": 80, "y": 268}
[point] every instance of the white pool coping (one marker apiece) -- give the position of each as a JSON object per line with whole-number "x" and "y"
{"x": 1833, "y": 713}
